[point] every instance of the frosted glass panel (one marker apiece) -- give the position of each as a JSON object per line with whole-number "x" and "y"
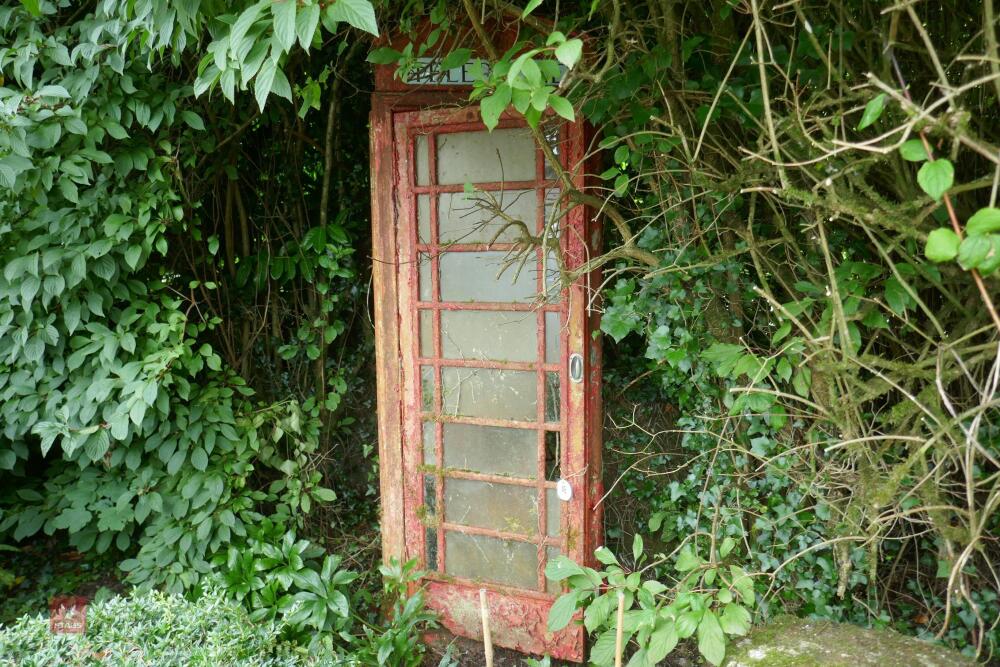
{"x": 491, "y": 559}
{"x": 424, "y": 218}
{"x": 552, "y": 209}
{"x": 552, "y": 333}
{"x": 491, "y": 449}
{"x": 482, "y": 334}
{"x": 553, "y": 513}
{"x": 469, "y": 219}
{"x": 505, "y": 507}
{"x": 486, "y": 157}
{"x": 421, "y": 158}
{"x": 552, "y": 397}
{"x": 491, "y": 393}
{"x": 427, "y": 388}
{"x": 430, "y": 457}
{"x": 426, "y": 287}
{"x": 427, "y": 333}
{"x": 476, "y": 276}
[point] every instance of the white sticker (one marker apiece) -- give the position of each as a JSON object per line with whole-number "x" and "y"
{"x": 564, "y": 490}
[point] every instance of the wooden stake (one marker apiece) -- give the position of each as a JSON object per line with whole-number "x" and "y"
{"x": 487, "y": 640}
{"x": 619, "y": 630}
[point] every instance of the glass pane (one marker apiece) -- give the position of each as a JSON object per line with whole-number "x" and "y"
{"x": 424, "y": 218}
{"x": 552, "y": 277}
{"x": 552, "y": 139}
{"x": 431, "y": 545}
{"x": 486, "y": 157}
{"x": 430, "y": 456}
{"x": 552, "y": 397}
{"x": 427, "y": 388}
{"x": 491, "y": 393}
{"x": 481, "y": 276}
{"x": 553, "y": 513}
{"x": 552, "y": 209}
{"x": 505, "y": 507}
{"x": 553, "y": 455}
{"x": 491, "y": 559}
{"x": 553, "y": 587}
{"x": 491, "y": 449}
{"x": 425, "y": 278}
{"x": 423, "y": 168}
{"x": 472, "y": 218}
{"x": 430, "y": 496}
{"x": 553, "y": 330}
{"x": 427, "y": 334}
{"x": 482, "y": 334}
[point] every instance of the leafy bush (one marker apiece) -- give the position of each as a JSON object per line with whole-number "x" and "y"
{"x": 156, "y": 628}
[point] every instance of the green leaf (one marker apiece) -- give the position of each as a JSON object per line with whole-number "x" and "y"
{"x": 306, "y": 22}
{"x": 872, "y": 111}
{"x": 562, "y": 107}
{"x": 530, "y": 7}
{"x": 562, "y": 611}
{"x": 262, "y": 84}
{"x": 384, "y": 56}
{"x": 711, "y": 640}
{"x": 687, "y": 561}
{"x": 284, "y": 23}
{"x": 199, "y": 459}
{"x": 984, "y": 221}
{"x": 662, "y": 641}
{"x": 913, "y": 151}
{"x": 603, "y": 650}
{"x": 33, "y": 7}
{"x": 735, "y": 620}
{"x": 936, "y": 177}
{"x": 560, "y": 568}
{"x": 243, "y": 24}
{"x": 604, "y": 555}
{"x": 636, "y": 547}
{"x": 942, "y": 245}
{"x": 455, "y": 58}
{"x": 973, "y": 251}
{"x": 727, "y": 546}
{"x": 193, "y": 120}
{"x": 568, "y": 53}
{"x": 358, "y": 13}
{"x": 493, "y": 106}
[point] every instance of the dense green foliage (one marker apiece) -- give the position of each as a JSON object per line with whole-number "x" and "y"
{"x": 802, "y": 252}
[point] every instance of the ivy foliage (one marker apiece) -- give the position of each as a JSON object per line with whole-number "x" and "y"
{"x": 130, "y": 419}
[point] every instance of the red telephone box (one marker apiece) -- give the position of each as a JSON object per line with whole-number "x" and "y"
{"x": 488, "y": 373}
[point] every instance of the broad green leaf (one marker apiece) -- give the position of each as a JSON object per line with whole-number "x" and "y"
{"x": 199, "y": 459}
{"x": 530, "y": 7}
{"x": 913, "y": 150}
{"x": 562, "y": 611}
{"x": 384, "y": 56}
{"x": 973, "y": 251}
{"x": 358, "y": 13}
{"x": 936, "y": 177}
{"x": 603, "y": 650}
{"x": 735, "y": 620}
{"x": 284, "y": 23}
{"x": 687, "y": 560}
{"x": 243, "y": 24}
{"x": 33, "y": 7}
{"x": 306, "y": 22}
{"x": 560, "y": 568}
{"x": 662, "y": 641}
{"x": 711, "y": 640}
{"x": 873, "y": 110}
{"x": 727, "y": 545}
{"x": 493, "y": 106}
{"x": 984, "y": 221}
{"x": 568, "y": 53}
{"x": 193, "y": 120}
{"x": 562, "y": 107}
{"x": 263, "y": 82}
{"x": 455, "y": 58}
{"x": 942, "y": 245}
{"x": 636, "y": 547}
{"x": 605, "y": 555}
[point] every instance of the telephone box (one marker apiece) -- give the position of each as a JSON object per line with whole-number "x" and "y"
{"x": 488, "y": 366}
